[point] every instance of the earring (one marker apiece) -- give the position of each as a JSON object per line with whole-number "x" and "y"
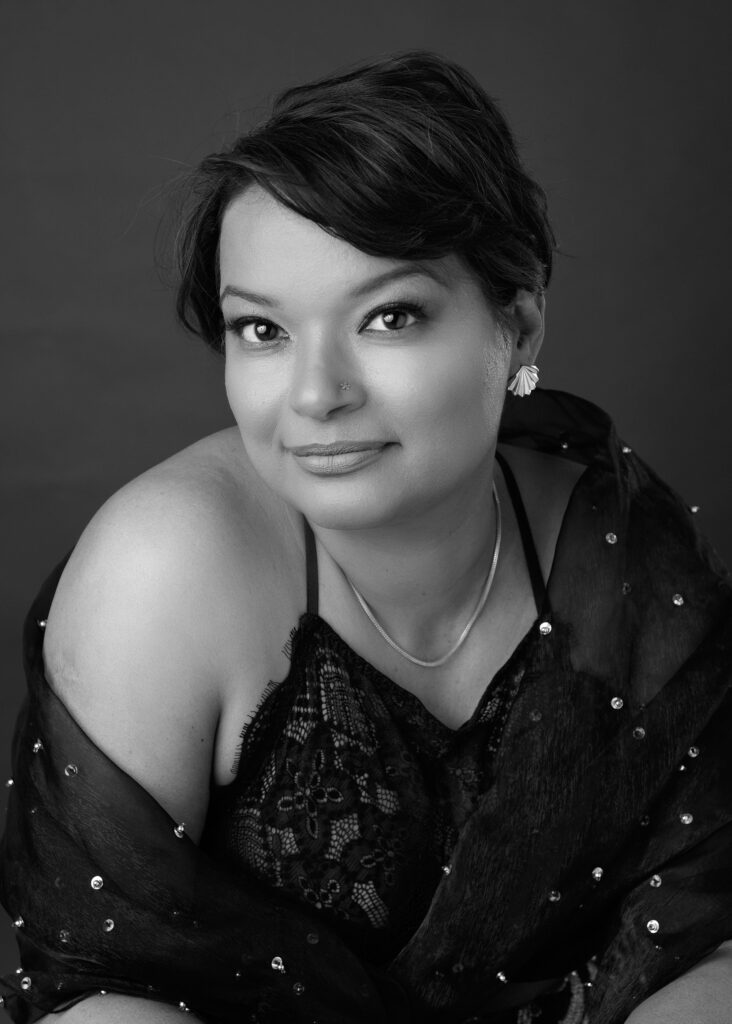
{"x": 345, "y": 386}
{"x": 524, "y": 381}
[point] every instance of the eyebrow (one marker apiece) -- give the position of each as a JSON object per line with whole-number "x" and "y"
{"x": 412, "y": 269}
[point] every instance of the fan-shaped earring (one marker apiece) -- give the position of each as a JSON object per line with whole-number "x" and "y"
{"x": 524, "y": 381}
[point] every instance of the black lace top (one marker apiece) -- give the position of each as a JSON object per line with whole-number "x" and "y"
{"x": 350, "y": 795}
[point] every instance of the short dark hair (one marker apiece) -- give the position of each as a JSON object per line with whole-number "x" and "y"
{"x": 405, "y": 157}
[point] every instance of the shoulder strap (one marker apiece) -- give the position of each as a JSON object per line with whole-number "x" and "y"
{"x": 311, "y": 569}
{"x": 532, "y": 559}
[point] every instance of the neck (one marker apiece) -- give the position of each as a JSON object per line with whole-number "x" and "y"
{"x": 422, "y": 577}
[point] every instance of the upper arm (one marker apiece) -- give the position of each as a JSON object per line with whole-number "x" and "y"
{"x": 129, "y": 647}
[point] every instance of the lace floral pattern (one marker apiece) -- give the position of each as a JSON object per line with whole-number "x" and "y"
{"x": 350, "y": 795}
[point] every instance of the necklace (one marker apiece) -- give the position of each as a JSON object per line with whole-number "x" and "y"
{"x": 471, "y": 621}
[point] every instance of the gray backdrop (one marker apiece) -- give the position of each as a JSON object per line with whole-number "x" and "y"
{"x": 621, "y": 110}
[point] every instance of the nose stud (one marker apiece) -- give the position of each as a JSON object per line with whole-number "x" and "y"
{"x": 345, "y": 386}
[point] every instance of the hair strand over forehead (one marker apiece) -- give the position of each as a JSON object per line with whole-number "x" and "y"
{"x": 404, "y": 157}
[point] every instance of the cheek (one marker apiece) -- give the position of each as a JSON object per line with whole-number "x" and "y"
{"x": 496, "y": 365}
{"x": 461, "y": 395}
{"x": 251, "y": 402}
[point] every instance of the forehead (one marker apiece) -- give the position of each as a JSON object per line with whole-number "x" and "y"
{"x": 264, "y": 246}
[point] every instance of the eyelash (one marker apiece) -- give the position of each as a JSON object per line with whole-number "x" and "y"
{"x": 237, "y": 324}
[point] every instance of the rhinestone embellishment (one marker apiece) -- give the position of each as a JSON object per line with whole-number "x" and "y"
{"x": 694, "y": 509}
{"x": 108, "y": 925}
{"x": 446, "y": 868}
{"x": 686, "y": 818}
{"x": 597, "y": 874}
{"x": 37, "y": 746}
{"x": 42, "y": 623}
{"x": 653, "y": 927}
{"x": 555, "y": 896}
{"x": 655, "y": 881}
{"x": 617, "y": 703}
{"x": 278, "y": 964}
{"x": 626, "y": 449}
{"x": 97, "y": 882}
{"x": 545, "y": 628}
{"x": 182, "y": 1006}
{"x": 611, "y": 538}
{"x": 180, "y": 830}
{"x": 298, "y": 988}
{"x": 639, "y": 733}
{"x": 678, "y": 600}
{"x": 70, "y": 770}
{"x": 502, "y": 978}
{"x": 18, "y": 922}
{"x": 693, "y": 751}
{"x": 25, "y": 983}
{"x": 9, "y": 783}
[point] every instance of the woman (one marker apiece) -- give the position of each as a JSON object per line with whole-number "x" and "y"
{"x": 405, "y": 700}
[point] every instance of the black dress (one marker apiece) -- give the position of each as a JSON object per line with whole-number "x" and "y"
{"x": 560, "y": 856}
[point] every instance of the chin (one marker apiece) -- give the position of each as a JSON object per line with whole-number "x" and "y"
{"x": 362, "y": 508}
{"x": 343, "y": 514}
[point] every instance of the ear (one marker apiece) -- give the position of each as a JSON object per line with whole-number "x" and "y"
{"x": 527, "y": 313}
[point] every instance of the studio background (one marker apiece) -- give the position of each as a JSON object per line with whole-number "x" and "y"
{"x": 621, "y": 112}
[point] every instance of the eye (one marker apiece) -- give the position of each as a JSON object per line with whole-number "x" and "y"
{"x": 255, "y": 332}
{"x": 395, "y": 318}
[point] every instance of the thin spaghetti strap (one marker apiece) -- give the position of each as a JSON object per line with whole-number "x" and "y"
{"x": 311, "y": 569}
{"x": 538, "y": 585}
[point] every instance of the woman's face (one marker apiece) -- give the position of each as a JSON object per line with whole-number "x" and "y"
{"x": 367, "y": 390}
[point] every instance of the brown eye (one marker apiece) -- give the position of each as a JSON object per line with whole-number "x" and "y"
{"x": 255, "y": 333}
{"x": 394, "y": 319}
{"x": 264, "y": 330}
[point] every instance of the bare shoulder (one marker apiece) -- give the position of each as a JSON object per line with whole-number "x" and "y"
{"x": 172, "y": 597}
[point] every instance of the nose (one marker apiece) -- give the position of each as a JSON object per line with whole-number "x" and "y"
{"x": 326, "y": 380}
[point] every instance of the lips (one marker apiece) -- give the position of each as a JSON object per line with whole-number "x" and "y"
{"x": 336, "y": 448}
{"x": 339, "y": 457}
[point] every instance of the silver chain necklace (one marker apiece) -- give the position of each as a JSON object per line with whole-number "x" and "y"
{"x": 471, "y": 621}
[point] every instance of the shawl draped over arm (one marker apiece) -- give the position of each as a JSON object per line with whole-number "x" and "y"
{"x": 106, "y": 895}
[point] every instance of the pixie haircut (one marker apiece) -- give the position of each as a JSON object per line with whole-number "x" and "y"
{"x": 405, "y": 157}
